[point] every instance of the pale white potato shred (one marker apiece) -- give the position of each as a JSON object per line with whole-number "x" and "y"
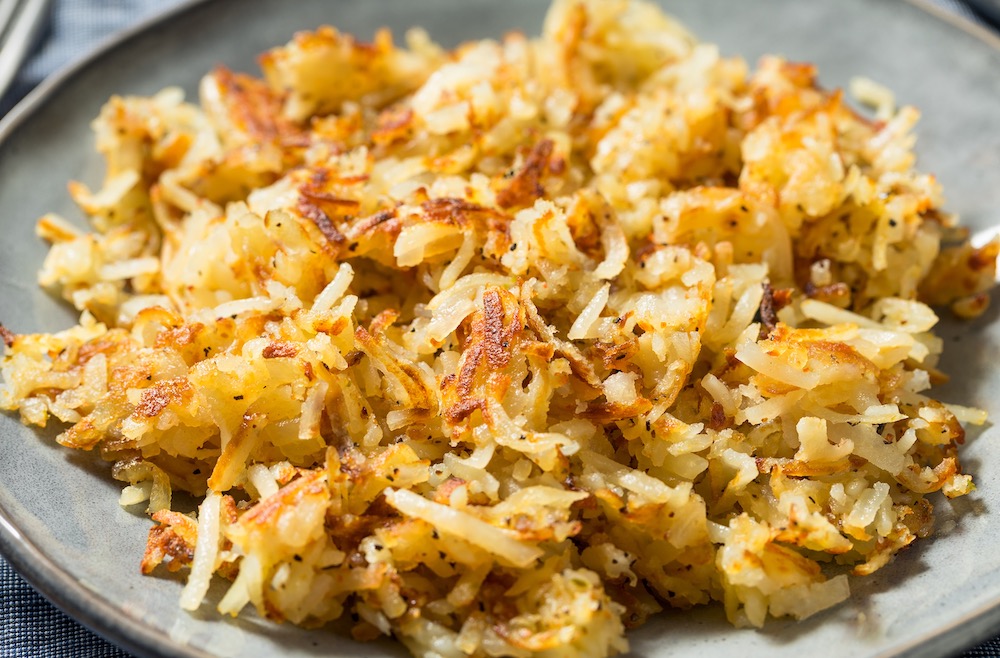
{"x": 502, "y": 350}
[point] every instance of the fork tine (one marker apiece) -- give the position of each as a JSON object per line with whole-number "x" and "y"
{"x": 19, "y": 35}
{"x": 7, "y": 8}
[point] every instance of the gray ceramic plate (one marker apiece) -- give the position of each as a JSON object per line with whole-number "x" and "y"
{"x": 60, "y": 523}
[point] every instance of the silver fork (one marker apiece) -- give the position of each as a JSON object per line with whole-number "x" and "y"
{"x": 20, "y": 22}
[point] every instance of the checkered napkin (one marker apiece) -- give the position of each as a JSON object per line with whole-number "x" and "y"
{"x": 30, "y": 625}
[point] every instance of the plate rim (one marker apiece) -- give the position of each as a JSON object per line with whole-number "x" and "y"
{"x": 103, "y": 618}
{"x": 48, "y": 578}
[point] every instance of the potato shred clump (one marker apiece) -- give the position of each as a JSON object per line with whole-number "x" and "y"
{"x": 503, "y": 350}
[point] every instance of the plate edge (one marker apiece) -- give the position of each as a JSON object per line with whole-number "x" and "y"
{"x": 985, "y": 34}
{"x": 83, "y": 606}
{"x": 957, "y": 630}
{"x": 50, "y": 580}
{"x": 43, "y": 90}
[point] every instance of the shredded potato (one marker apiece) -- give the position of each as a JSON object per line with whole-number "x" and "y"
{"x": 503, "y": 350}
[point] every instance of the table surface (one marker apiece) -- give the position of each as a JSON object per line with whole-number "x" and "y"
{"x": 29, "y": 624}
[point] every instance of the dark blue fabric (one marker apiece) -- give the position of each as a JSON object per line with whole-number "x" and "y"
{"x": 30, "y": 625}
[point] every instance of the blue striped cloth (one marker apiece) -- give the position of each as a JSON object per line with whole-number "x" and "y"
{"x": 30, "y": 625}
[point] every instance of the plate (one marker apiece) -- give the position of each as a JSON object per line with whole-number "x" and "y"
{"x": 61, "y": 526}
